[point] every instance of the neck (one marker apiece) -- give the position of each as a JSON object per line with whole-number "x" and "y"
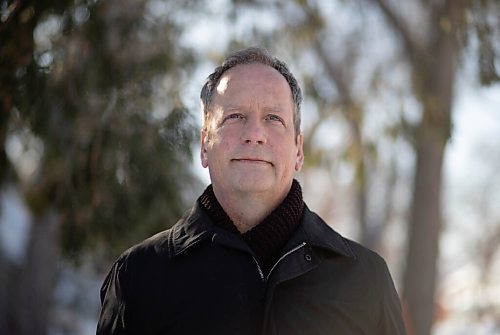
{"x": 247, "y": 210}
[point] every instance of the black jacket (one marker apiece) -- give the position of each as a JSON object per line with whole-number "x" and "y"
{"x": 196, "y": 278}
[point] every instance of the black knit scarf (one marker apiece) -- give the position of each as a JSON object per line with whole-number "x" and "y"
{"x": 268, "y": 238}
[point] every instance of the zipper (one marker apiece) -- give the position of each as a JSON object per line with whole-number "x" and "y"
{"x": 282, "y": 257}
{"x": 261, "y": 274}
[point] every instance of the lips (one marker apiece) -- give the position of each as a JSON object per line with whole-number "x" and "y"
{"x": 252, "y": 160}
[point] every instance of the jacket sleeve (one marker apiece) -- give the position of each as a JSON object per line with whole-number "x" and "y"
{"x": 112, "y": 320}
{"x": 391, "y": 320}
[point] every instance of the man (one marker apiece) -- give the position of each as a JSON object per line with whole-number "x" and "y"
{"x": 250, "y": 257}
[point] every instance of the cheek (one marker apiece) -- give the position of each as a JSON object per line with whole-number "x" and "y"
{"x": 227, "y": 137}
{"x": 219, "y": 148}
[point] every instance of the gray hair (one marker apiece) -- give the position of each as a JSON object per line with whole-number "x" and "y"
{"x": 247, "y": 56}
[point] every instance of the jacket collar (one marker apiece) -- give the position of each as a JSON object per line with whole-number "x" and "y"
{"x": 195, "y": 227}
{"x": 317, "y": 233}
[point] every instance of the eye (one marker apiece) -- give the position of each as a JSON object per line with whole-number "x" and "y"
{"x": 233, "y": 116}
{"x": 275, "y": 118}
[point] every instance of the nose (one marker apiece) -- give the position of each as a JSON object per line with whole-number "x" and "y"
{"x": 253, "y": 133}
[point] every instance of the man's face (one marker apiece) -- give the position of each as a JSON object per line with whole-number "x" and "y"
{"x": 249, "y": 145}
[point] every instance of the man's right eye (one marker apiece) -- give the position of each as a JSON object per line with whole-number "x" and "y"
{"x": 233, "y": 116}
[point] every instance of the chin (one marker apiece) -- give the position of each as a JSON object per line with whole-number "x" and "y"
{"x": 251, "y": 184}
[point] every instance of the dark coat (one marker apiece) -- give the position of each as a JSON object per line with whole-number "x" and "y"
{"x": 196, "y": 278}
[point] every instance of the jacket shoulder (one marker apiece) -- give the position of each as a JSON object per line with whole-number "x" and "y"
{"x": 363, "y": 253}
{"x": 158, "y": 244}
{"x": 188, "y": 231}
{"x": 374, "y": 264}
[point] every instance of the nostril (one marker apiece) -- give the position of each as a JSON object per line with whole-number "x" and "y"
{"x": 253, "y": 135}
{"x": 250, "y": 141}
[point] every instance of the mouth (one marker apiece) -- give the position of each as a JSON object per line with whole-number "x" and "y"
{"x": 256, "y": 161}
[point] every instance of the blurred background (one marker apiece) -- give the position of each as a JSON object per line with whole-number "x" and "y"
{"x": 99, "y": 132}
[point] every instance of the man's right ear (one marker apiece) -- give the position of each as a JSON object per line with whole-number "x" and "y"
{"x": 203, "y": 149}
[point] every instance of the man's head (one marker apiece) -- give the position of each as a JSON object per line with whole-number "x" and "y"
{"x": 251, "y": 140}
{"x": 247, "y": 56}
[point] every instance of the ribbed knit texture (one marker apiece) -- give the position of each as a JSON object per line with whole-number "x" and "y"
{"x": 268, "y": 238}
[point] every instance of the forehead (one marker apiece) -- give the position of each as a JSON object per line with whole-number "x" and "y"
{"x": 257, "y": 77}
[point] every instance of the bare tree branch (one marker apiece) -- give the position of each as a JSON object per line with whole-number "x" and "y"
{"x": 350, "y": 108}
{"x": 399, "y": 26}
{"x": 335, "y": 72}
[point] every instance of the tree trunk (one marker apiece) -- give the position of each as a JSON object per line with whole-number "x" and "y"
{"x": 33, "y": 293}
{"x": 425, "y": 226}
{"x": 434, "y": 82}
{"x": 4, "y": 284}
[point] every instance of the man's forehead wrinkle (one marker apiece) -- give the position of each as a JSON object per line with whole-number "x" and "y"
{"x": 271, "y": 108}
{"x": 274, "y": 108}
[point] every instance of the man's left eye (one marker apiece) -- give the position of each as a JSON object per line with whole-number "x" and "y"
{"x": 273, "y": 117}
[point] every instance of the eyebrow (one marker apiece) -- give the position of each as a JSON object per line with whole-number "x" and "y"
{"x": 232, "y": 108}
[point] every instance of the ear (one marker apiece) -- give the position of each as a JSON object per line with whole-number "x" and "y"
{"x": 203, "y": 149}
{"x": 300, "y": 152}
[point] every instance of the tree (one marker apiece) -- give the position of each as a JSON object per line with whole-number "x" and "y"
{"x": 96, "y": 86}
{"x": 433, "y": 59}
